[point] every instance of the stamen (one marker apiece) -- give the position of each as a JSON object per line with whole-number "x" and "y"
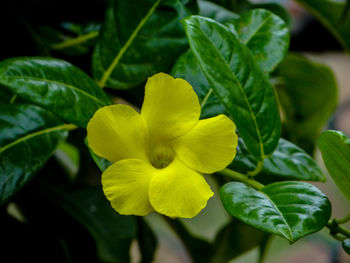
{"x": 162, "y": 156}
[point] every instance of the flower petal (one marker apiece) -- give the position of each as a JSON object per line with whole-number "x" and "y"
{"x": 178, "y": 191}
{"x": 209, "y": 146}
{"x": 170, "y": 107}
{"x": 126, "y": 185}
{"x": 118, "y": 132}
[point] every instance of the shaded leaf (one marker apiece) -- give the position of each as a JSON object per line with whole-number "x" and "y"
{"x": 265, "y": 34}
{"x": 55, "y": 85}
{"x": 130, "y": 50}
{"x": 238, "y": 82}
{"x": 333, "y": 15}
{"x": 235, "y": 239}
{"x": 112, "y": 232}
{"x": 288, "y": 209}
{"x": 346, "y": 245}
{"x": 335, "y": 149}
{"x": 288, "y": 162}
{"x": 308, "y": 95}
{"x": 28, "y": 137}
{"x": 187, "y": 67}
{"x": 216, "y": 12}
{"x": 147, "y": 241}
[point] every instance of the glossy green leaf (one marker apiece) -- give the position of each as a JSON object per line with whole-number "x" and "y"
{"x": 235, "y": 239}
{"x": 28, "y": 137}
{"x": 335, "y": 149}
{"x": 346, "y": 245}
{"x": 238, "y": 82}
{"x": 288, "y": 162}
{"x": 130, "y": 50}
{"x": 216, "y": 12}
{"x": 333, "y": 14}
{"x": 275, "y": 8}
{"x": 308, "y": 95}
{"x": 112, "y": 232}
{"x": 187, "y": 67}
{"x": 55, "y": 85}
{"x": 288, "y": 209}
{"x": 265, "y": 34}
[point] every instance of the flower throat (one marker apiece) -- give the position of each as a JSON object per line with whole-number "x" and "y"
{"x": 162, "y": 156}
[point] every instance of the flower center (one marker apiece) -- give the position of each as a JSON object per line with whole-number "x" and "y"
{"x": 162, "y": 156}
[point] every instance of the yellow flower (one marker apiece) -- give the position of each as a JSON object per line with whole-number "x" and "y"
{"x": 159, "y": 155}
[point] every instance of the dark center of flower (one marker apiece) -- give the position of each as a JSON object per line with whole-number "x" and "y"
{"x": 162, "y": 156}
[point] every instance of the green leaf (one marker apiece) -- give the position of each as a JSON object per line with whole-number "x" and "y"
{"x": 333, "y": 14}
{"x": 288, "y": 209}
{"x": 265, "y": 34}
{"x": 335, "y": 149}
{"x": 112, "y": 232}
{"x": 78, "y": 41}
{"x": 235, "y": 239}
{"x": 308, "y": 95}
{"x": 130, "y": 50}
{"x": 147, "y": 241}
{"x": 346, "y": 245}
{"x": 28, "y": 137}
{"x": 5, "y": 95}
{"x": 275, "y": 8}
{"x": 238, "y": 82}
{"x": 216, "y": 12}
{"x": 288, "y": 162}
{"x": 187, "y": 67}
{"x": 55, "y": 85}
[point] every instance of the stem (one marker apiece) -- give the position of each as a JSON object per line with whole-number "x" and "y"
{"x": 14, "y": 97}
{"x": 343, "y": 220}
{"x": 242, "y": 178}
{"x": 74, "y": 41}
{"x": 336, "y": 229}
{"x": 257, "y": 169}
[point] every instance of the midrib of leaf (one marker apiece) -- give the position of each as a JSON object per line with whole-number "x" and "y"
{"x": 58, "y": 83}
{"x": 108, "y": 72}
{"x": 34, "y": 134}
{"x": 245, "y": 98}
{"x": 75, "y": 41}
{"x": 290, "y": 238}
{"x": 258, "y": 28}
{"x": 204, "y": 101}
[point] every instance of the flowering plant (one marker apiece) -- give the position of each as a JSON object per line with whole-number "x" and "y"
{"x": 99, "y": 157}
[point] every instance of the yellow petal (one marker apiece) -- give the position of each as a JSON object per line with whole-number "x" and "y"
{"x": 178, "y": 191}
{"x": 126, "y": 185}
{"x": 170, "y": 107}
{"x": 118, "y": 132}
{"x": 209, "y": 146}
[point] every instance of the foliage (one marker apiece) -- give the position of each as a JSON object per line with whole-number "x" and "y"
{"x": 236, "y": 56}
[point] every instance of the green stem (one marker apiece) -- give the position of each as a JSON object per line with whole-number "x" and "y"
{"x": 335, "y": 229}
{"x": 242, "y": 178}
{"x": 257, "y": 169}
{"x": 343, "y": 220}
{"x": 75, "y": 41}
{"x": 14, "y": 97}
{"x": 204, "y": 101}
